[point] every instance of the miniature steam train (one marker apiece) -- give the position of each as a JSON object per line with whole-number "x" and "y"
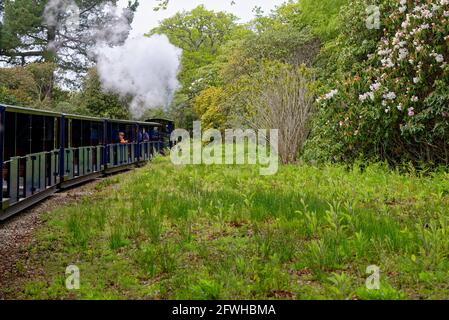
{"x": 43, "y": 151}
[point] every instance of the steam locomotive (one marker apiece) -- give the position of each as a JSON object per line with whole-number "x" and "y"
{"x": 43, "y": 151}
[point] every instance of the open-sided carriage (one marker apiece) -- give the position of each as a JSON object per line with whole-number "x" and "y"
{"x": 42, "y": 151}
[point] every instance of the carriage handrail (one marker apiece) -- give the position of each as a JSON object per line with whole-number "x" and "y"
{"x": 31, "y": 154}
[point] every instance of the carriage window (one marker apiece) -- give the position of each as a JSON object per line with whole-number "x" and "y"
{"x": 22, "y": 140}
{"x": 97, "y": 133}
{"x": 86, "y": 130}
{"x": 49, "y": 131}
{"x": 144, "y": 133}
{"x": 77, "y": 137}
{"x": 101, "y": 137}
{"x": 113, "y": 131}
{"x": 129, "y": 133}
{"x": 26, "y": 134}
{"x": 10, "y": 135}
{"x": 37, "y": 130}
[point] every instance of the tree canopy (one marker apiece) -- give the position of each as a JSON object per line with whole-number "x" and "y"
{"x": 59, "y": 31}
{"x": 379, "y": 93}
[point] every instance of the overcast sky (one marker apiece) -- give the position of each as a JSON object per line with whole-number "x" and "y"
{"x": 146, "y": 19}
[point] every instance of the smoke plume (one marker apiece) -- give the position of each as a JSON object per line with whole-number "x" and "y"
{"x": 144, "y": 68}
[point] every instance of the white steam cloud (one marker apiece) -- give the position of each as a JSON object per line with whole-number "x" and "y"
{"x": 144, "y": 68}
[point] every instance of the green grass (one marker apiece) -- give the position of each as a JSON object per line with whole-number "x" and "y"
{"x": 225, "y": 232}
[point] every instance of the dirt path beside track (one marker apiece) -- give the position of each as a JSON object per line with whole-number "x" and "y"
{"x": 17, "y": 232}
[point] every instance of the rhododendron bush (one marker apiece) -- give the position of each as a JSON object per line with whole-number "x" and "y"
{"x": 397, "y": 107}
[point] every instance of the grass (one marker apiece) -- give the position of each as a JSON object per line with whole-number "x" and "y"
{"x": 225, "y": 232}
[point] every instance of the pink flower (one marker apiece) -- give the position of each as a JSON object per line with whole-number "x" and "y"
{"x": 411, "y": 112}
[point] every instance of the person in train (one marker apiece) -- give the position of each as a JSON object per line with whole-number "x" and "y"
{"x": 121, "y": 136}
{"x": 146, "y": 136}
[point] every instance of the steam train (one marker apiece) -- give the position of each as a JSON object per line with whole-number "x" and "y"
{"x": 43, "y": 151}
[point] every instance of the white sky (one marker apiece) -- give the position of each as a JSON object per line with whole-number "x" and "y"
{"x": 145, "y": 18}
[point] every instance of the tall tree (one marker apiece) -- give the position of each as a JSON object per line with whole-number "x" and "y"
{"x": 60, "y": 31}
{"x": 26, "y": 85}
{"x": 200, "y": 33}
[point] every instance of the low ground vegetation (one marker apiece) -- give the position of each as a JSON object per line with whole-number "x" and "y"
{"x": 225, "y": 232}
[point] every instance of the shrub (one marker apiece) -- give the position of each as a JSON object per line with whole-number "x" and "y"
{"x": 397, "y": 107}
{"x": 285, "y": 102}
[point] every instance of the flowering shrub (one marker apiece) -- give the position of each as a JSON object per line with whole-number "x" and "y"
{"x": 397, "y": 108}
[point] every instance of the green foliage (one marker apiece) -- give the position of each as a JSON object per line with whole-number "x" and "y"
{"x": 200, "y": 33}
{"x": 293, "y": 46}
{"x": 27, "y": 86}
{"x": 155, "y": 114}
{"x": 226, "y": 92}
{"x": 181, "y": 111}
{"x": 100, "y": 103}
{"x": 393, "y": 106}
{"x": 322, "y": 16}
{"x": 21, "y": 18}
{"x": 207, "y": 290}
{"x": 352, "y": 42}
{"x": 208, "y": 105}
{"x": 386, "y": 292}
{"x": 7, "y": 97}
{"x": 25, "y": 35}
{"x": 116, "y": 238}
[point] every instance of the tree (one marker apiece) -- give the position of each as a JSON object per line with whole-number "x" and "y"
{"x": 292, "y": 46}
{"x": 200, "y": 33}
{"x": 27, "y": 85}
{"x": 278, "y": 39}
{"x": 99, "y": 103}
{"x": 155, "y": 113}
{"x": 322, "y": 16}
{"x": 44, "y": 31}
{"x": 209, "y": 106}
{"x": 283, "y": 100}
{"x": 7, "y": 97}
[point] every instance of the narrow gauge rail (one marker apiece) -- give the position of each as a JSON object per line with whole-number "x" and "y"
{"x": 43, "y": 151}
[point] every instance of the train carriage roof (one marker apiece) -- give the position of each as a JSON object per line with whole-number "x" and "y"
{"x": 43, "y": 112}
{"x": 166, "y": 120}
{"x": 81, "y": 117}
{"x": 133, "y": 122}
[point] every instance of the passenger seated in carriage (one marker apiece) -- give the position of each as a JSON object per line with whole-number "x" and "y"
{"x": 121, "y": 136}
